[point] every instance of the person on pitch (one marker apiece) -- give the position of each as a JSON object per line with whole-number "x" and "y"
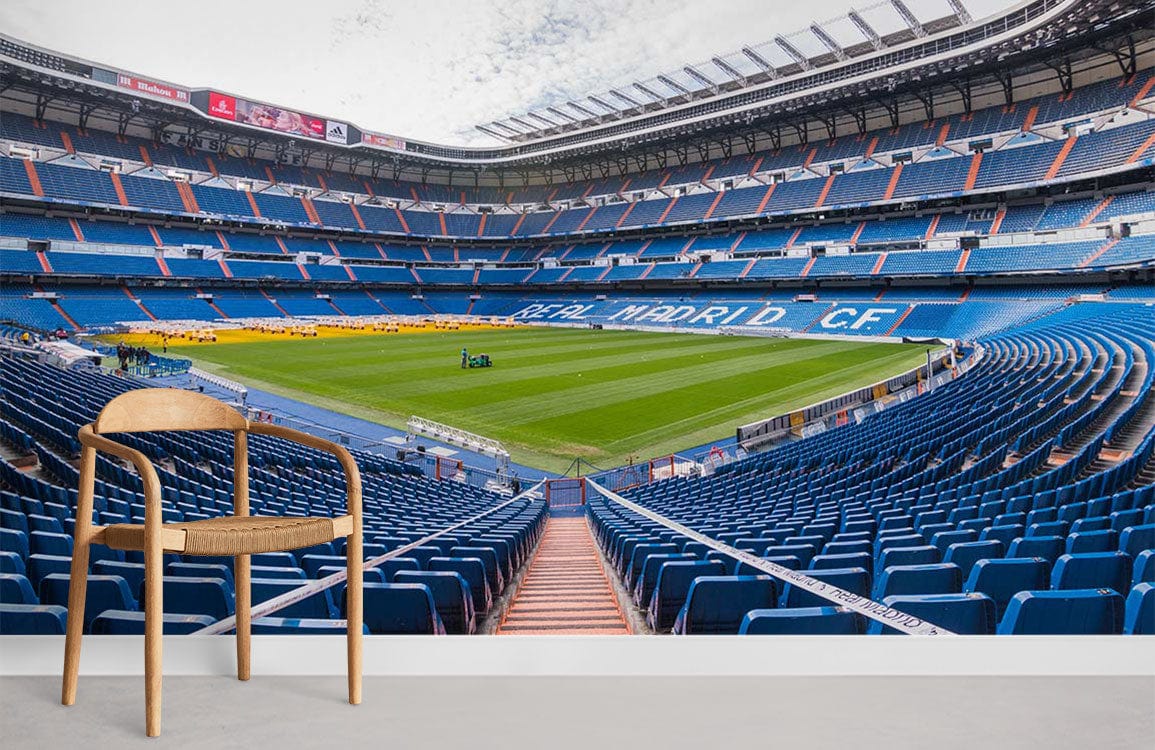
{"x": 464, "y": 358}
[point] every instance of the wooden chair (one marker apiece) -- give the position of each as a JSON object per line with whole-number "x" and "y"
{"x": 239, "y": 535}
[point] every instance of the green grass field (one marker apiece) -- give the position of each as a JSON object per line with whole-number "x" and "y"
{"x": 555, "y": 394}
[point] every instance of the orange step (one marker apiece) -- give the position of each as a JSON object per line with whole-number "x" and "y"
{"x": 253, "y": 203}
{"x": 962, "y": 261}
{"x": 825, "y": 191}
{"x": 1134, "y": 157}
{"x": 669, "y": 206}
{"x": 973, "y": 173}
{"x": 45, "y": 264}
{"x": 357, "y": 215}
{"x": 1095, "y": 255}
{"x": 401, "y": 220}
{"x": 139, "y": 304}
{"x": 66, "y": 316}
{"x": 273, "y": 302}
{"x": 895, "y": 173}
{"x": 67, "y": 141}
{"x": 942, "y": 134}
{"x": 621, "y": 221}
{"x": 118, "y": 186}
{"x": 1142, "y": 92}
{"x": 713, "y": 205}
{"x": 1061, "y": 157}
{"x": 1029, "y": 122}
{"x": 565, "y": 591}
{"x": 311, "y": 210}
{"x": 481, "y": 225}
{"x": 33, "y": 178}
{"x": 766, "y": 198}
{"x": 1096, "y": 211}
{"x": 808, "y": 266}
{"x": 933, "y": 226}
{"x": 898, "y": 322}
{"x": 998, "y": 222}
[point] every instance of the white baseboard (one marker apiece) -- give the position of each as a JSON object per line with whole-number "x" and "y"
{"x": 526, "y": 656}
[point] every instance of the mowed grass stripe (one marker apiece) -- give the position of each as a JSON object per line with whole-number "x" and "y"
{"x": 557, "y": 393}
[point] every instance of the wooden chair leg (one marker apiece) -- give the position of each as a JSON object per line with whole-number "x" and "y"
{"x": 354, "y": 603}
{"x": 244, "y": 595}
{"x": 153, "y": 633}
{"x": 77, "y": 590}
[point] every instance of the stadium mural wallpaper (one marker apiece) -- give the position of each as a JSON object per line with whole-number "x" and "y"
{"x": 722, "y": 357}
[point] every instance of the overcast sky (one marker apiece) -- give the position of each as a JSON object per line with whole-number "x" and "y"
{"x": 431, "y": 69}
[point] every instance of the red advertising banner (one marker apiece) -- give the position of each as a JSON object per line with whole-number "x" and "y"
{"x": 222, "y": 105}
{"x": 146, "y": 86}
{"x": 385, "y": 141}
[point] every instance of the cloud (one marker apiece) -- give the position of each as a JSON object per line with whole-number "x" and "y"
{"x": 429, "y": 70}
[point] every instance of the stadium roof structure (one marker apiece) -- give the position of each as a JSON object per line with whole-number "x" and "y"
{"x": 879, "y": 27}
{"x": 834, "y": 78}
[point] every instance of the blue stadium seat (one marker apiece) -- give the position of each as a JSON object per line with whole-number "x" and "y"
{"x": 401, "y": 609}
{"x": 451, "y": 597}
{"x": 1111, "y": 570}
{"x": 15, "y": 541}
{"x": 1140, "y": 610}
{"x": 854, "y": 580}
{"x": 391, "y": 567}
{"x": 104, "y": 592}
{"x": 847, "y": 560}
{"x": 318, "y": 605}
{"x": 49, "y": 543}
{"x": 1048, "y": 548}
{"x": 277, "y": 572}
{"x": 940, "y": 578}
{"x": 965, "y": 614}
{"x": 32, "y": 619}
{"x": 195, "y": 596}
{"x": 1070, "y": 612}
{"x": 1135, "y": 539}
{"x": 966, "y": 554}
{"x": 200, "y": 570}
{"x": 924, "y": 554}
{"x": 133, "y": 573}
{"x": 672, "y": 586}
{"x": 313, "y": 563}
{"x": 473, "y": 571}
{"x": 717, "y": 604}
{"x": 1105, "y": 540}
{"x": 40, "y": 566}
{"x": 15, "y": 588}
{"x": 10, "y": 562}
{"x": 802, "y": 621}
{"x": 648, "y": 578}
{"x": 1002, "y": 579}
{"x": 1143, "y": 571}
{"x": 119, "y": 622}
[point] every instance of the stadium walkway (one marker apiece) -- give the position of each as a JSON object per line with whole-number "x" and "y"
{"x": 565, "y": 590}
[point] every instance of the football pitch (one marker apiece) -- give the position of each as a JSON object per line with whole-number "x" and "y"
{"x": 555, "y": 394}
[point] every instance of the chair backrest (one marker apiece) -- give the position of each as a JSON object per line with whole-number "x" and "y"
{"x": 166, "y": 409}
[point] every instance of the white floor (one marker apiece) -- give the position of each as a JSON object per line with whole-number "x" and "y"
{"x": 592, "y": 713}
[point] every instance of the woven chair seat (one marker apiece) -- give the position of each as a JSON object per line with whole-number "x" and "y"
{"x": 230, "y": 535}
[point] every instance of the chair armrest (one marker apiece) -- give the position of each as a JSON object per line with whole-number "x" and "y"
{"x": 144, "y": 467}
{"x": 344, "y": 457}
